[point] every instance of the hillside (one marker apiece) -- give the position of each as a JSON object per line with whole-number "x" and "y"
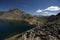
{"x": 49, "y": 31}
{"x": 54, "y": 17}
{"x": 15, "y": 21}
{"x": 16, "y": 14}
{"x": 42, "y": 19}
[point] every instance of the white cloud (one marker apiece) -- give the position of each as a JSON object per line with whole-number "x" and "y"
{"x": 48, "y": 14}
{"x": 45, "y": 12}
{"x": 39, "y": 10}
{"x": 53, "y": 8}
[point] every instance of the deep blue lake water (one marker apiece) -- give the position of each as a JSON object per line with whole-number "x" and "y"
{"x": 7, "y": 29}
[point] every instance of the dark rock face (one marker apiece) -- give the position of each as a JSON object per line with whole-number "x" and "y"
{"x": 49, "y": 31}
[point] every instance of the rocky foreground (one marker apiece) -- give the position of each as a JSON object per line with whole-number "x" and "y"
{"x": 49, "y": 31}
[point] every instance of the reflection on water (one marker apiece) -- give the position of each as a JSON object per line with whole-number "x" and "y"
{"x": 7, "y": 28}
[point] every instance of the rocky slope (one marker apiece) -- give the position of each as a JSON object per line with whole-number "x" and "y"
{"x": 16, "y": 14}
{"x": 54, "y": 17}
{"x": 49, "y": 31}
{"x": 41, "y": 18}
{"x": 16, "y": 21}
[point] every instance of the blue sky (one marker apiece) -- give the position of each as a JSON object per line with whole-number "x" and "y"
{"x": 35, "y": 7}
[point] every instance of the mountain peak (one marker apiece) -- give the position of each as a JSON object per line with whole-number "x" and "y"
{"x": 15, "y": 9}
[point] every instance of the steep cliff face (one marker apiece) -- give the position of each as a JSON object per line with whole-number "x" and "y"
{"x": 49, "y": 31}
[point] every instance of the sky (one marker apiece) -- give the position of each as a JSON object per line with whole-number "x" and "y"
{"x": 35, "y": 7}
